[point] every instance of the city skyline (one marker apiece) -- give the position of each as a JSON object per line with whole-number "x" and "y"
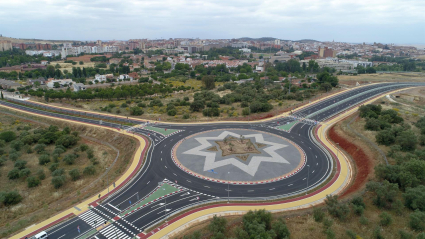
{"x": 397, "y": 22}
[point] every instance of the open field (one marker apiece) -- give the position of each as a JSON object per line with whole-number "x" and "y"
{"x": 68, "y": 66}
{"x": 382, "y": 77}
{"x": 44, "y": 201}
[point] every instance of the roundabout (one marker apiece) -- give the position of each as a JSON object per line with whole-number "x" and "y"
{"x": 238, "y": 156}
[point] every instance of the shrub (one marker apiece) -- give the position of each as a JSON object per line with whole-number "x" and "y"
{"x": 84, "y": 147}
{"x": 90, "y": 153}
{"x": 405, "y": 235}
{"x": 13, "y": 156}
{"x": 386, "y": 219}
{"x": 33, "y": 182}
{"x": 58, "y": 172}
{"x": 89, "y": 170}
{"x": 70, "y": 158}
{"x": 53, "y": 167}
{"x": 280, "y": 228}
{"x": 16, "y": 144}
{"x": 20, "y": 164}
{"x": 335, "y": 208}
{"x": 39, "y": 148}
{"x": 8, "y": 136}
{"x": 44, "y": 159}
{"x": 24, "y": 173}
{"x": 13, "y": 174}
{"x": 141, "y": 105}
{"x": 172, "y": 112}
{"x": 417, "y": 221}
{"x": 67, "y": 140}
{"x": 318, "y": 214}
{"x": 124, "y": 105}
{"x": 10, "y": 198}
{"x": 218, "y": 224}
{"x": 414, "y": 198}
{"x": 58, "y": 181}
{"x": 186, "y": 116}
{"x": 74, "y": 174}
{"x": 136, "y": 111}
{"x": 351, "y": 234}
{"x": 364, "y": 220}
{"x": 40, "y": 174}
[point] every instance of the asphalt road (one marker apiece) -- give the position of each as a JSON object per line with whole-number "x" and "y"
{"x": 159, "y": 167}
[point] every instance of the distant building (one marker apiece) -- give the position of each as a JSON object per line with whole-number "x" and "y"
{"x": 326, "y": 52}
{"x": 9, "y": 84}
{"x": 5, "y": 45}
{"x": 240, "y": 45}
{"x": 245, "y": 50}
{"x": 99, "y": 78}
{"x": 79, "y": 86}
{"x": 62, "y": 82}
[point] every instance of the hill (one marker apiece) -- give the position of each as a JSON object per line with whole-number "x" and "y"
{"x": 42, "y": 41}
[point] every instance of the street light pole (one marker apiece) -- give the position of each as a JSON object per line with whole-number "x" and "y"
{"x": 308, "y": 175}
{"x": 107, "y": 180}
{"x": 228, "y": 188}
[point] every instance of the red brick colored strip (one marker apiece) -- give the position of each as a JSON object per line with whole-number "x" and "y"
{"x": 47, "y": 226}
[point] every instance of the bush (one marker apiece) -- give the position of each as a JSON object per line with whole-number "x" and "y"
{"x": 13, "y": 156}
{"x": 246, "y": 111}
{"x": 70, "y": 158}
{"x": 386, "y": 219}
{"x": 74, "y": 174}
{"x": 136, "y": 111}
{"x": 172, "y": 112}
{"x": 20, "y": 164}
{"x": 44, "y": 159}
{"x": 13, "y": 174}
{"x": 385, "y": 137}
{"x": 414, "y": 198}
{"x": 33, "y": 182}
{"x": 89, "y": 170}
{"x": 124, "y": 105}
{"x": 67, "y": 140}
{"x": 318, "y": 214}
{"x": 16, "y": 144}
{"x": 407, "y": 140}
{"x": 417, "y": 221}
{"x": 218, "y": 224}
{"x": 40, "y": 174}
{"x": 39, "y": 148}
{"x": 10, "y": 198}
{"x": 186, "y": 116}
{"x": 84, "y": 147}
{"x": 141, "y": 105}
{"x": 24, "y": 172}
{"x": 280, "y": 228}
{"x": 53, "y": 167}
{"x": 351, "y": 234}
{"x": 335, "y": 208}
{"x": 7, "y": 136}
{"x": 58, "y": 181}
{"x": 58, "y": 172}
{"x": 211, "y": 112}
{"x": 405, "y": 235}
{"x": 90, "y": 153}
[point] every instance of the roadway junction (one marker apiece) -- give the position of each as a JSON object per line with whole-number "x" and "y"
{"x": 216, "y": 162}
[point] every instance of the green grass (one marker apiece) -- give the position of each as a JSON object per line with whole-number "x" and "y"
{"x": 287, "y": 127}
{"x": 161, "y": 130}
{"x": 162, "y": 191}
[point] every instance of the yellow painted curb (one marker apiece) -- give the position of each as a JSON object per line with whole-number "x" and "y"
{"x": 181, "y": 123}
{"x": 85, "y": 204}
{"x": 345, "y": 171}
{"x": 338, "y": 186}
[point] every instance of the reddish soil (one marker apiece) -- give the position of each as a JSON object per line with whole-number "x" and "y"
{"x": 362, "y": 160}
{"x": 85, "y": 58}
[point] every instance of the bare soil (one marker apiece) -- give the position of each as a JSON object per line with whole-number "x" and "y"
{"x": 237, "y": 146}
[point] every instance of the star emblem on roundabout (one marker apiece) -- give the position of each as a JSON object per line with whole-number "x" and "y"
{"x": 250, "y": 168}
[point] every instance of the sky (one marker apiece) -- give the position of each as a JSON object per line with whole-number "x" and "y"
{"x": 356, "y": 21}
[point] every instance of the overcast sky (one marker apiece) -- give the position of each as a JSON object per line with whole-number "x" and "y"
{"x": 387, "y": 21}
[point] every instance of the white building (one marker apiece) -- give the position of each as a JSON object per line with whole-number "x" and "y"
{"x": 99, "y": 78}
{"x": 245, "y": 50}
{"x": 79, "y": 86}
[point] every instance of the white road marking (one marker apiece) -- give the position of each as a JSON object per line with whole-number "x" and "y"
{"x": 272, "y": 189}
{"x": 290, "y": 184}
{"x": 188, "y": 181}
{"x": 148, "y": 182}
{"x": 315, "y": 155}
{"x": 175, "y": 174}
{"x": 304, "y": 179}
{"x": 62, "y": 236}
{"x": 312, "y": 172}
{"x": 165, "y": 166}
{"x": 250, "y": 190}
{"x": 161, "y": 158}
{"x": 206, "y": 186}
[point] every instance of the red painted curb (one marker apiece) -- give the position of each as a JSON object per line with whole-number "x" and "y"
{"x": 144, "y": 236}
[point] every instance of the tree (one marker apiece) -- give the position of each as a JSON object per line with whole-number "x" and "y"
{"x": 385, "y": 193}
{"x": 67, "y": 140}
{"x": 414, "y": 198}
{"x": 33, "y": 182}
{"x": 197, "y": 105}
{"x": 386, "y": 219}
{"x": 385, "y": 137}
{"x": 318, "y": 214}
{"x": 10, "y": 198}
{"x": 209, "y": 82}
{"x": 280, "y": 228}
{"x": 70, "y": 159}
{"x": 136, "y": 111}
{"x": 74, "y": 174}
{"x": 56, "y": 85}
{"x": 8, "y": 136}
{"x": 20, "y": 164}
{"x": 44, "y": 159}
{"x": 407, "y": 140}
{"x": 172, "y": 112}
{"x": 13, "y": 174}
{"x": 89, "y": 170}
{"x": 217, "y": 225}
{"x": 417, "y": 220}
{"x": 58, "y": 181}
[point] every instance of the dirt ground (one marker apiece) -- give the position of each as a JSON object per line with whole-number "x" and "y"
{"x": 381, "y": 77}
{"x": 44, "y": 201}
{"x": 69, "y": 66}
{"x": 85, "y": 58}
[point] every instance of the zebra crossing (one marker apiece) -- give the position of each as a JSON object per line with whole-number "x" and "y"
{"x": 91, "y": 218}
{"x": 113, "y": 232}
